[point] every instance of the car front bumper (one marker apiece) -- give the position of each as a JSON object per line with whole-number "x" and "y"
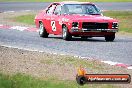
{"x": 92, "y": 30}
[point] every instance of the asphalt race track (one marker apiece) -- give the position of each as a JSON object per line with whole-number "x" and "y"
{"x": 17, "y": 6}
{"x": 95, "y": 48}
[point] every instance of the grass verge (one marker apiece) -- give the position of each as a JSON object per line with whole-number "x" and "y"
{"x": 124, "y": 17}
{"x": 28, "y": 19}
{"x": 26, "y": 81}
{"x": 63, "y": 0}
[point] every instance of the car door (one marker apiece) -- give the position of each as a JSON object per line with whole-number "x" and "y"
{"x": 56, "y": 20}
{"x": 48, "y": 16}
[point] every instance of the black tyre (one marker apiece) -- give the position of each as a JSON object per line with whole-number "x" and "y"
{"x": 81, "y": 80}
{"x": 110, "y": 37}
{"x": 84, "y": 37}
{"x": 42, "y": 31}
{"x": 65, "y": 33}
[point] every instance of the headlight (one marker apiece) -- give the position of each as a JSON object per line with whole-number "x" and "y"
{"x": 75, "y": 24}
{"x": 115, "y": 25}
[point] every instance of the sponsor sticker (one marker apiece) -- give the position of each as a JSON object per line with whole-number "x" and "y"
{"x": 84, "y": 78}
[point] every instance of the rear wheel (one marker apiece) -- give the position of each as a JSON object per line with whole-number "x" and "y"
{"x": 65, "y": 33}
{"x": 110, "y": 37}
{"x": 42, "y": 31}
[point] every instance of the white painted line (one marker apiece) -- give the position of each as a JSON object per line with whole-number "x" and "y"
{"x": 1, "y": 25}
{"x": 130, "y": 67}
{"x": 61, "y": 54}
{"x": 109, "y": 62}
{"x": 55, "y": 53}
{"x": 9, "y": 12}
{"x": 76, "y": 56}
{"x": 83, "y": 57}
{"x": 19, "y": 28}
{"x": 33, "y": 50}
{"x": 22, "y": 48}
{"x": 26, "y": 10}
{"x": 17, "y": 11}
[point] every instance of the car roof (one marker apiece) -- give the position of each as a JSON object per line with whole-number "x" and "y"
{"x": 72, "y": 2}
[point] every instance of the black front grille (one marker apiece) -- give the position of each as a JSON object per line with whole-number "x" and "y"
{"x": 94, "y": 25}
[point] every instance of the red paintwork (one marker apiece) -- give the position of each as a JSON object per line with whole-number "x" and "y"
{"x": 68, "y": 19}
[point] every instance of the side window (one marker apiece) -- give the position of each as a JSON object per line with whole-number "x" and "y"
{"x": 57, "y": 10}
{"x": 91, "y": 9}
{"x": 50, "y": 9}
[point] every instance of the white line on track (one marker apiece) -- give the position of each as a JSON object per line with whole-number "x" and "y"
{"x": 9, "y": 12}
{"x": 130, "y": 67}
{"x": 110, "y": 62}
{"x": 1, "y": 24}
{"x": 17, "y": 11}
{"x": 20, "y": 28}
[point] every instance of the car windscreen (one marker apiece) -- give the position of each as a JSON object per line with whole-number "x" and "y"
{"x": 80, "y": 9}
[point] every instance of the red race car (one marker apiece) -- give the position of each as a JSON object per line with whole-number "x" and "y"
{"x": 78, "y": 19}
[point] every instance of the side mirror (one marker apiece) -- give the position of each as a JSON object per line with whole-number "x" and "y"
{"x": 56, "y": 13}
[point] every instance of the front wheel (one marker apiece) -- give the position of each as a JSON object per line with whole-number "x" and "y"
{"x": 110, "y": 37}
{"x": 65, "y": 33}
{"x": 42, "y": 31}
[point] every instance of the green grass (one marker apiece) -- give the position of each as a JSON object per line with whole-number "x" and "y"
{"x": 75, "y": 62}
{"x": 124, "y": 17}
{"x": 25, "y": 81}
{"x": 28, "y": 19}
{"x": 63, "y": 0}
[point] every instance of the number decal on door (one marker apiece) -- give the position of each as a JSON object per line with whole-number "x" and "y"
{"x": 53, "y": 26}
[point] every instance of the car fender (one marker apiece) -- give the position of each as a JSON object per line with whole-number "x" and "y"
{"x": 66, "y": 22}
